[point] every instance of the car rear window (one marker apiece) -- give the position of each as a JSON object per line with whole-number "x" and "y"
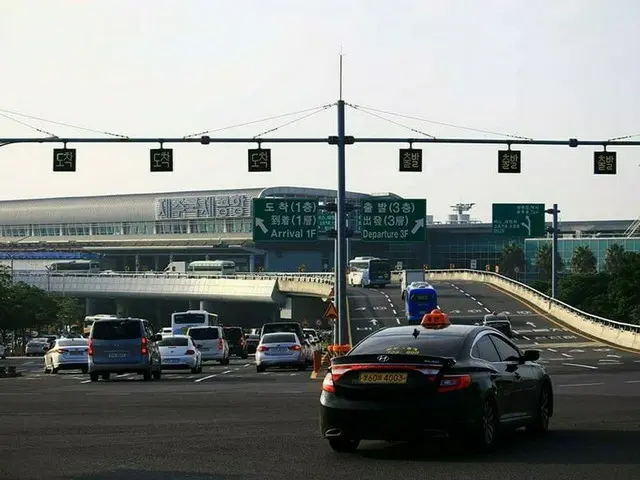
{"x": 203, "y": 333}
{"x": 279, "y": 338}
{"x": 72, "y": 343}
{"x": 438, "y": 346}
{"x": 281, "y": 327}
{"x": 174, "y": 342}
{"x": 116, "y": 330}
{"x": 233, "y": 333}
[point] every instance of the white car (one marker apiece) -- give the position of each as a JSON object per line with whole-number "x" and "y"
{"x": 67, "y": 354}
{"x": 314, "y": 339}
{"x": 179, "y": 352}
{"x": 281, "y": 349}
{"x": 211, "y": 343}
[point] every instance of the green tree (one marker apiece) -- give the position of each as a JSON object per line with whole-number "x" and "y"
{"x": 624, "y": 289}
{"x": 614, "y": 257}
{"x": 587, "y": 292}
{"x": 70, "y": 311}
{"x": 544, "y": 261}
{"x": 583, "y": 261}
{"x": 511, "y": 259}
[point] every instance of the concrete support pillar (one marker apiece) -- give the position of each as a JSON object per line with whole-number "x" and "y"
{"x": 156, "y": 263}
{"x": 194, "y": 305}
{"x": 89, "y": 306}
{"x": 252, "y": 263}
{"x": 137, "y": 263}
{"x": 206, "y": 305}
{"x": 122, "y": 308}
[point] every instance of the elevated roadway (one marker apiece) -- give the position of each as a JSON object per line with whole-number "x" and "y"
{"x": 242, "y": 287}
{"x": 562, "y": 348}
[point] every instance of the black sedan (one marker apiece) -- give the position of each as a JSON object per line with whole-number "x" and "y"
{"x": 411, "y": 382}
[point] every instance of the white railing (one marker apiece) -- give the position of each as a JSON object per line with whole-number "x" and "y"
{"x": 301, "y": 277}
{"x": 541, "y": 297}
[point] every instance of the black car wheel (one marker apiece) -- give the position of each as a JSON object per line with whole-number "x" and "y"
{"x": 344, "y": 445}
{"x": 540, "y": 423}
{"x": 487, "y": 432}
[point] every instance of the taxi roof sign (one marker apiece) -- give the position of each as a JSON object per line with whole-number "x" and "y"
{"x": 435, "y": 319}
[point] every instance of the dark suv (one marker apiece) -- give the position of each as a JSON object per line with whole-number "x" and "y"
{"x": 123, "y": 345}
{"x": 499, "y": 321}
{"x": 235, "y": 339}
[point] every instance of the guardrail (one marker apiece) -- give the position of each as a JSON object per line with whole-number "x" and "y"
{"x": 302, "y": 277}
{"x": 618, "y": 333}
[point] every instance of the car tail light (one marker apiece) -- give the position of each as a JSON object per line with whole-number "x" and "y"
{"x": 62, "y": 350}
{"x": 143, "y": 346}
{"x": 241, "y": 342}
{"x": 190, "y": 352}
{"x": 327, "y": 384}
{"x": 90, "y": 347}
{"x": 262, "y": 348}
{"x": 294, "y": 347}
{"x": 449, "y": 383}
{"x": 220, "y": 344}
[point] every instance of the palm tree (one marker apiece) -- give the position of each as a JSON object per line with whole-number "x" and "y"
{"x": 614, "y": 257}
{"x": 584, "y": 261}
{"x": 511, "y": 259}
{"x": 544, "y": 261}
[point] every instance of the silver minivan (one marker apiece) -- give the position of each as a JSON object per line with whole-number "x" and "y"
{"x": 123, "y": 345}
{"x": 211, "y": 343}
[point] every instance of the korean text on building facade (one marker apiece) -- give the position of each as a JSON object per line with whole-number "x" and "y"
{"x": 201, "y": 207}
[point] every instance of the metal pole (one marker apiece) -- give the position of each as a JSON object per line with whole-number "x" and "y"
{"x": 554, "y": 254}
{"x": 341, "y": 238}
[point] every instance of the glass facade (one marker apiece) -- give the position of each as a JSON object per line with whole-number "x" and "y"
{"x": 566, "y": 247}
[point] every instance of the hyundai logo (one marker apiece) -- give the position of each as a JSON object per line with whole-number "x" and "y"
{"x": 383, "y": 358}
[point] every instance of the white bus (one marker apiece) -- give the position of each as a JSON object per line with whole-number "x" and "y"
{"x": 182, "y": 321}
{"x": 89, "y": 319}
{"x": 212, "y": 267}
{"x": 78, "y": 266}
{"x": 369, "y": 272}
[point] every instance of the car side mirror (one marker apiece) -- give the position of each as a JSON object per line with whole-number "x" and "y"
{"x": 157, "y": 337}
{"x": 530, "y": 356}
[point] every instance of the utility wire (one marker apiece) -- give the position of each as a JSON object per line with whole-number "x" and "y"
{"x": 291, "y": 122}
{"x": 360, "y": 109}
{"x": 28, "y": 125}
{"x": 461, "y": 127}
{"x": 32, "y": 117}
{"x": 253, "y": 122}
{"x": 625, "y": 137}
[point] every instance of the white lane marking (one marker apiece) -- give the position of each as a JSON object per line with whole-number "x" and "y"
{"x": 226, "y": 371}
{"x": 526, "y": 338}
{"x": 86, "y": 381}
{"x": 467, "y": 295}
{"x": 576, "y": 350}
{"x": 398, "y": 320}
{"x": 205, "y": 378}
{"x": 566, "y": 355}
{"x": 531, "y": 324}
{"x": 581, "y": 384}
{"x": 632, "y": 381}
{"x": 359, "y": 309}
{"x": 246, "y": 365}
{"x": 487, "y": 310}
{"x": 552, "y": 350}
{"x": 395, "y": 312}
{"x": 474, "y": 299}
{"x": 614, "y": 356}
{"x": 580, "y": 365}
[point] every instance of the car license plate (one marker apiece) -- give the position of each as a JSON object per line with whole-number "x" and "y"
{"x": 204, "y": 349}
{"x": 117, "y": 355}
{"x": 385, "y": 378}
{"x": 278, "y": 350}
{"x": 172, "y": 360}
{"x": 75, "y": 353}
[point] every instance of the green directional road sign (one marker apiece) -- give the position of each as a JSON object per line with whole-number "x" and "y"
{"x": 393, "y": 220}
{"x": 327, "y": 221}
{"x": 519, "y": 219}
{"x": 285, "y": 220}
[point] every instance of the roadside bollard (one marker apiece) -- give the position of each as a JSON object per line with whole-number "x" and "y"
{"x": 317, "y": 361}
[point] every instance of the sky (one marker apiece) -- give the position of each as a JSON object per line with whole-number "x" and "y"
{"x": 549, "y": 69}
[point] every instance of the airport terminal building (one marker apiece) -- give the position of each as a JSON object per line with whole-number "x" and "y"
{"x": 139, "y": 232}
